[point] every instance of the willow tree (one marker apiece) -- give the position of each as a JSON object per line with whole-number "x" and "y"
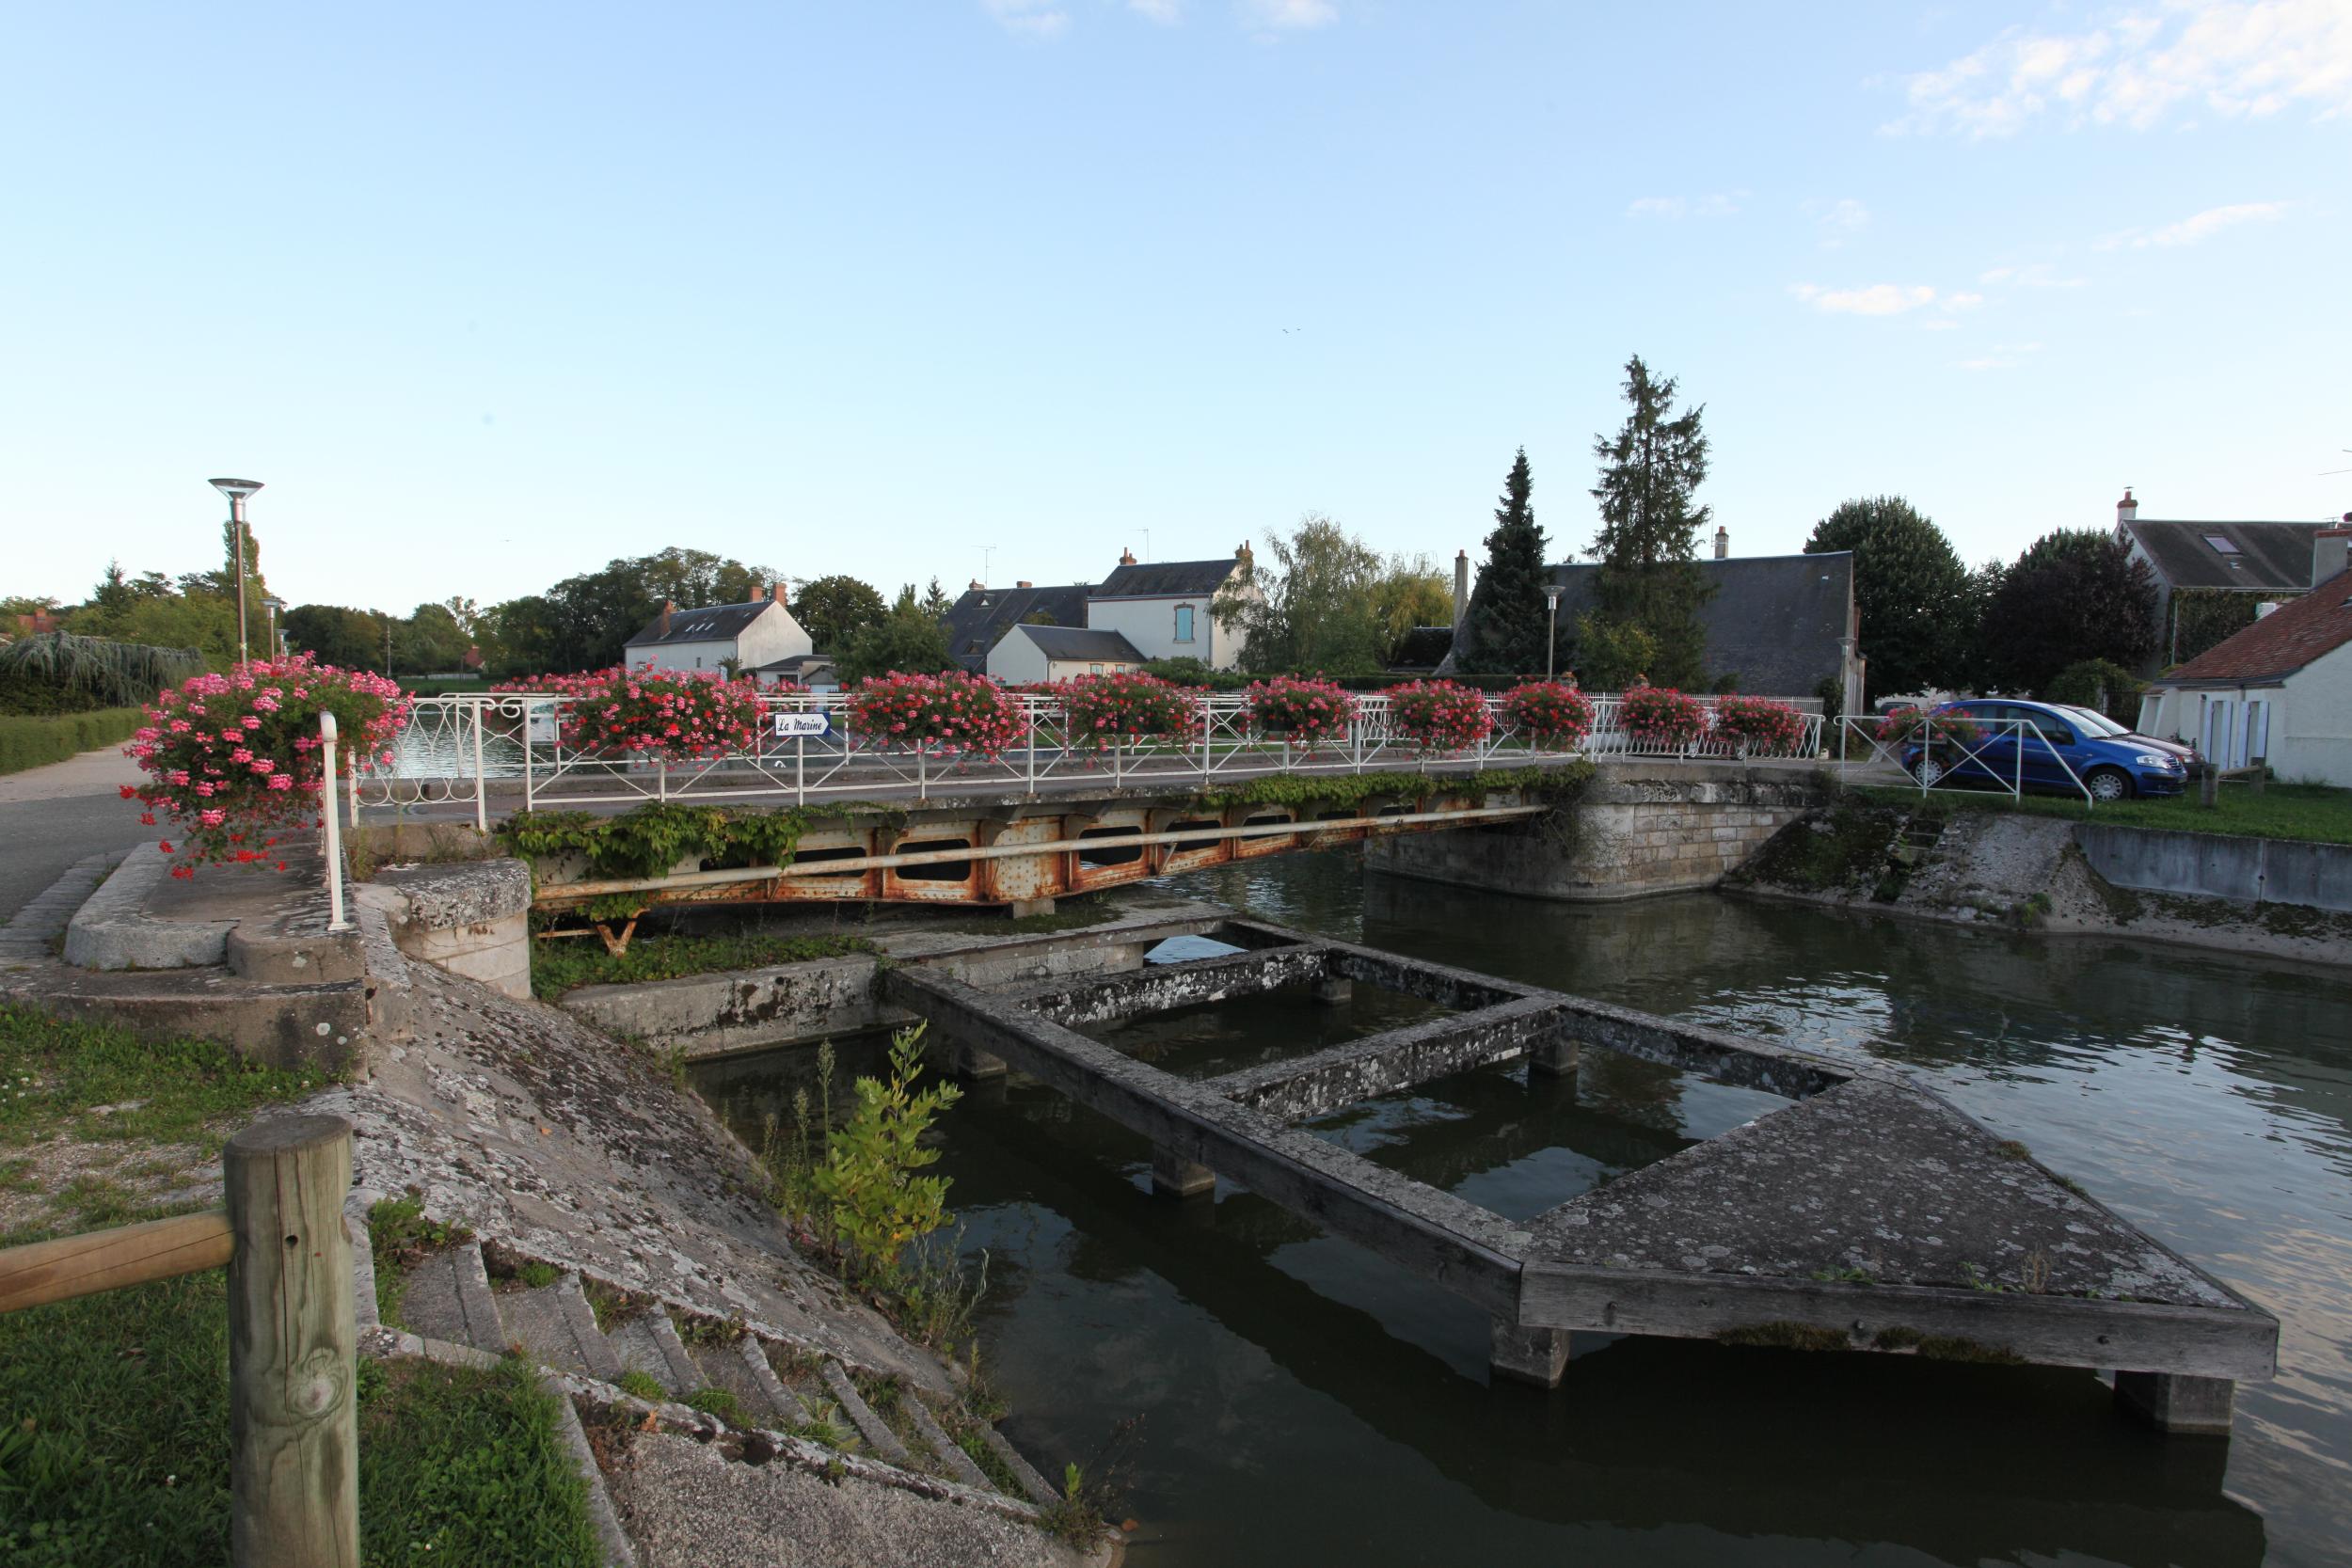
{"x": 88, "y": 672}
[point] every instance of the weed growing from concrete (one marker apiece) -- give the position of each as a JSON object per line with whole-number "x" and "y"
{"x": 400, "y": 1237}
{"x": 1786, "y": 1335}
{"x": 716, "y": 1401}
{"x": 642, "y": 1384}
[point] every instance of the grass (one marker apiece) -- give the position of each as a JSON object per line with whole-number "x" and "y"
{"x": 56, "y": 1074}
{"x": 35, "y": 741}
{"x": 560, "y": 966}
{"x": 719, "y": 1403}
{"x": 400, "y": 1238}
{"x": 2315, "y": 813}
{"x": 644, "y": 1385}
{"x": 114, "y": 1444}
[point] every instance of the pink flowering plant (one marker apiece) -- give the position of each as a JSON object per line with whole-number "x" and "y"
{"x": 1550, "y": 716}
{"x": 1108, "y": 710}
{"x": 952, "y": 714}
{"x": 233, "y": 761}
{"x": 1306, "y": 712}
{"x": 1759, "y": 726}
{"x": 1660, "y": 716}
{"x": 673, "y": 715}
{"x": 1438, "y": 715}
{"x": 1936, "y": 732}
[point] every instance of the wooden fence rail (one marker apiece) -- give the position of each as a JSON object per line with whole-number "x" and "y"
{"x": 293, "y": 1455}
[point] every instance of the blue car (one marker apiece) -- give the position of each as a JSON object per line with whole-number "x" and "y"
{"x": 2055, "y": 749}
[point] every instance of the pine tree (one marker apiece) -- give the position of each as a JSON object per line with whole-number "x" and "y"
{"x": 1508, "y": 619}
{"x": 1649, "y": 575}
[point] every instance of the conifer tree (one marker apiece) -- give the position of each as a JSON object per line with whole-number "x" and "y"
{"x": 1508, "y": 618}
{"x": 1650, "y": 576}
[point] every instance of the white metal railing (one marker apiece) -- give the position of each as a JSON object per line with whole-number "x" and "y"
{"x": 456, "y": 748}
{"x": 1948, "y": 763}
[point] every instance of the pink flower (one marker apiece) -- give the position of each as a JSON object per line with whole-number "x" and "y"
{"x": 282, "y": 781}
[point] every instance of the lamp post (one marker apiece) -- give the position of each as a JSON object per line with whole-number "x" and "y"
{"x": 274, "y": 604}
{"x": 1551, "y": 636}
{"x": 236, "y": 490}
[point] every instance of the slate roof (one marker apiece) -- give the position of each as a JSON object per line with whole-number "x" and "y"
{"x": 1166, "y": 580}
{"x": 1776, "y": 621}
{"x": 978, "y": 620}
{"x": 1082, "y": 643}
{"x": 2278, "y": 645}
{"x": 719, "y": 622}
{"x": 2272, "y": 556}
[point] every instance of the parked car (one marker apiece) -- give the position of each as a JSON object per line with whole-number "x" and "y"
{"x": 2099, "y": 723}
{"x": 2046, "y": 748}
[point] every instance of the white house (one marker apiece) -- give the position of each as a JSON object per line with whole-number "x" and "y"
{"x": 2280, "y": 691}
{"x": 1029, "y": 653}
{"x": 754, "y": 636}
{"x": 1162, "y": 607}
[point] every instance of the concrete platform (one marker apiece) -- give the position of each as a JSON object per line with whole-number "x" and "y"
{"x": 1868, "y": 1215}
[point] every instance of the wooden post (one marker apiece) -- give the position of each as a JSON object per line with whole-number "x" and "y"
{"x": 294, "y": 1435}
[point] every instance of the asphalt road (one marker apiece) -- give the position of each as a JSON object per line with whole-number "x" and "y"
{"x": 53, "y": 816}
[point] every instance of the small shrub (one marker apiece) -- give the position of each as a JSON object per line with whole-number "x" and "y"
{"x": 869, "y": 1176}
{"x": 1439, "y": 716}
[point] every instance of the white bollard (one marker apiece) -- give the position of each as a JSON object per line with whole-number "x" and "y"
{"x": 334, "y": 835}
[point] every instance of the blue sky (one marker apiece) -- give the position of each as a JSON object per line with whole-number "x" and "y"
{"x": 489, "y": 295}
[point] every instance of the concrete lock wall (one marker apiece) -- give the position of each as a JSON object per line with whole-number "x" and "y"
{"x": 471, "y": 918}
{"x": 1640, "y": 829}
{"x": 2217, "y": 865}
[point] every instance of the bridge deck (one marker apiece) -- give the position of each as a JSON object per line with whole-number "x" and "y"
{"x": 1870, "y": 1215}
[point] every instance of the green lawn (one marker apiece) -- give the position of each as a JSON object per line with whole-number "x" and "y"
{"x": 55, "y": 1073}
{"x": 2312, "y": 812}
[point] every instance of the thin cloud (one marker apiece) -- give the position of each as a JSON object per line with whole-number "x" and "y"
{"x": 2197, "y": 228}
{"x": 1715, "y": 204}
{"x": 1839, "y": 220}
{"x": 2041, "y": 274}
{"x": 1166, "y": 12}
{"x": 1029, "y": 19}
{"x": 2001, "y": 356}
{"x": 1267, "y": 18}
{"x": 2236, "y": 58}
{"x": 1883, "y": 299}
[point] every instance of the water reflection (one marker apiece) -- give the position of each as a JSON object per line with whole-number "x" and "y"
{"x": 1304, "y": 1402}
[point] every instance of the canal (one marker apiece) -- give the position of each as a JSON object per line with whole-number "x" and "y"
{"x": 1301, "y": 1402}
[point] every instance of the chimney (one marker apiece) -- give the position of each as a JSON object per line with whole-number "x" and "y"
{"x": 1242, "y": 554}
{"x": 1461, "y": 588}
{"x": 976, "y": 585}
{"x": 1126, "y": 558}
{"x": 780, "y": 592}
{"x": 2331, "y": 551}
{"x": 1723, "y": 542}
{"x": 1025, "y": 582}
{"x": 661, "y": 626}
{"x": 2126, "y": 510}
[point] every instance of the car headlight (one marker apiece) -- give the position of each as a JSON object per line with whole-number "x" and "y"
{"x": 2146, "y": 761}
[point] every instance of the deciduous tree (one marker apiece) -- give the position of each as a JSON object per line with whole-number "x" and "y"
{"x": 2074, "y": 595}
{"x": 1910, "y": 588}
{"x": 905, "y": 640}
{"x": 832, "y": 609}
{"x": 1314, "y": 608}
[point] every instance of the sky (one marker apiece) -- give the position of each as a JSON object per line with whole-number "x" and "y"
{"x": 488, "y": 296}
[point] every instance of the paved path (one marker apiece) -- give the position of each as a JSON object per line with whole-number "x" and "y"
{"x": 53, "y": 816}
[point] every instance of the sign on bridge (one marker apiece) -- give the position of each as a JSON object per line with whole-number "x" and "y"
{"x": 801, "y": 726}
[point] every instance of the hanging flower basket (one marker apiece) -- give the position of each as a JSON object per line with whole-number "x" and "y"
{"x": 1438, "y": 715}
{"x": 1661, "y": 717}
{"x": 1759, "y": 727}
{"x": 1301, "y": 711}
{"x": 1104, "y": 711}
{"x": 1943, "y": 735}
{"x": 950, "y": 715}
{"x": 1550, "y": 716}
{"x": 668, "y": 715}
{"x": 233, "y": 761}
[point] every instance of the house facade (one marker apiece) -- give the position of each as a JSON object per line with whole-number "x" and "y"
{"x": 2258, "y": 560}
{"x": 2280, "y": 692}
{"x": 1162, "y": 609}
{"x": 751, "y": 636}
{"x": 1031, "y": 654}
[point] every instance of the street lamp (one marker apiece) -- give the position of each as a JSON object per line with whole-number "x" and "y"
{"x": 274, "y": 604}
{"x": 1551, "y": 638}
{"x": 236, "y": 490}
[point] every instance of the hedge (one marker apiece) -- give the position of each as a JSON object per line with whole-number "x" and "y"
{"x": 27, "y": 742}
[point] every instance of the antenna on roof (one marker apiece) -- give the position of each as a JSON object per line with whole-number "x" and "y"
{"x": 1147, "y": 543}
{"x": 986, "y": 551}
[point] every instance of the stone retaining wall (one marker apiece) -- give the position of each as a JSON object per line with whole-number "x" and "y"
{"x": 2219, "y": 865}
{"x": 1640, "y": 829}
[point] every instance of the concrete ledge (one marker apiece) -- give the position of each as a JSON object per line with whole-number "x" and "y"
{"x": 112, "y": 930}
{"x": 470, "y": 917}
{"x": 2220, "y": 866}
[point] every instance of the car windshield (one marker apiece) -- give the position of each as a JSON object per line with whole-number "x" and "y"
{"x": 2093, "y": 720}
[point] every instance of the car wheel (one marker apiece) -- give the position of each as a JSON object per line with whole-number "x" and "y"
{"x": 2108, "y": 783}
{"x": 1929, "y": 771}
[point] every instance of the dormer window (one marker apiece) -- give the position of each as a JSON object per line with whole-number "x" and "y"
{"x": 2221, "y": 544}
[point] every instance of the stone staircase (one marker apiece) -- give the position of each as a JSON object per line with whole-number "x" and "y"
{"x": 660, "y": 1368}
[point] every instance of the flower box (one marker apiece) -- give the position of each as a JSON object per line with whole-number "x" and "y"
{"x": 1549, "y": 716}
{"x": 1438, "y": 715}
{"x": 1301, "y": 711}
{"x": 952, "y": 714}
{"x": 1759, "y": 727}
{"x": 1662, "y": 717}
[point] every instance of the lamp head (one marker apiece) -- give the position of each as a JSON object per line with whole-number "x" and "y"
{"x": 1552, "y": 593}
{"x": 236, "y": 489}
{"x": 273, "y": 604}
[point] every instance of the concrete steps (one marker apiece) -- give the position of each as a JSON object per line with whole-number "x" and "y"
{"x": 784, "y": 1396}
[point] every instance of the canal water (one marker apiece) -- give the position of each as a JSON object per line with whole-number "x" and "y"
{"x": 1301, "y": 1402}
